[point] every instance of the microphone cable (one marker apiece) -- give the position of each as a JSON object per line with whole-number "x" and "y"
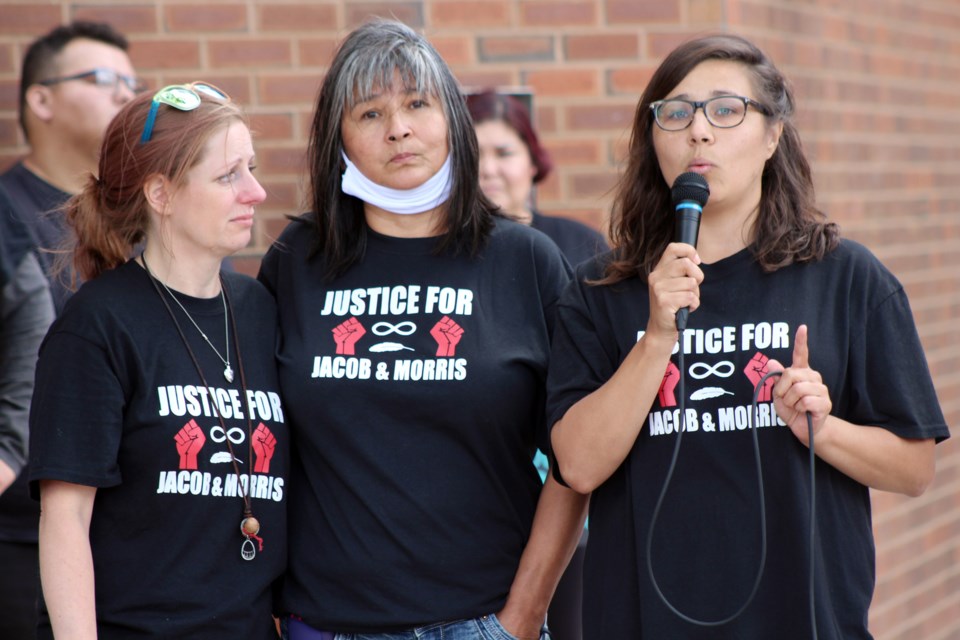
{"x": 763, "y": 512}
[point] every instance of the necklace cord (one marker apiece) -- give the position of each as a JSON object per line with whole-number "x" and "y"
{"x": 247, "y": 509}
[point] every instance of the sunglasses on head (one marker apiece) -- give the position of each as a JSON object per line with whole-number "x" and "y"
{"x": 184, "y": 97}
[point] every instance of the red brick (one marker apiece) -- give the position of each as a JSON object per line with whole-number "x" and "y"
{"x": 247, "y": 53}
{"x": 273, "y": 227}
{"x": 630, "y": 81}
{"x": 549, "y": 190}
{"x": 564, "y": 82}
{"x": 556, "y": 14}
{"x": 297, "y": 17}
{"x": 9, "y": 94}
{"x": 473, "y": 81}
{"x": 9, "y": 131}
{"x": 206, "y": 17}
{"x": 281, "y": 196}
{"x": 620, "y": 11}
{"x": 246, "y": 263}
{"x": 469, "y": 13}
{"x": 706, "y": 11}
{"x": 235, "y": 86}
{"x": 289, "y": 89}
{"x": 616, "y": 117}
{"x": 546, "y": 118}
{"x": 409, "y": 13}
{"x": 29, "y": 19}
{"x": 165, "y": 54}
{"x": 317, "y": 52}
{"x": 516, "y": 48}
{"x": 271, "y": 126}
{"x": 605, "y": 46}
{"x": 455, "y": 49}
{"x": 281, "y": 160}
{"x": 592, "y": 184}
{"x": 129, "y": 20}
{"x": 7, "y": 64}
{"x": 575, "y": 152}
{"x": 659, "y": 44}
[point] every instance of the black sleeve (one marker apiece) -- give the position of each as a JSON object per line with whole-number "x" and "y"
{"x": 580, "y": 361}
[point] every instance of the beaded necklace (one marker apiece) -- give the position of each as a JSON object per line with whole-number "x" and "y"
{"x": 249, "y": 525}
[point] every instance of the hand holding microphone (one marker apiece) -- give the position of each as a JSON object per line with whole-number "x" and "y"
{"x": 689, "y": 195}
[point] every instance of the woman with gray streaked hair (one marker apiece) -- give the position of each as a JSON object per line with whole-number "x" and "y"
{"x": 415, "y": 327}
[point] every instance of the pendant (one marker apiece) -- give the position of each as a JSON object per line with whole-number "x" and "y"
{"x": 249, "y": 527}
{"x": 228, "y": 373}
{"x": 248, "y": 551}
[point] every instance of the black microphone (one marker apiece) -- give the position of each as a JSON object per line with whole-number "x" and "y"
{"x": 689, "y": 195}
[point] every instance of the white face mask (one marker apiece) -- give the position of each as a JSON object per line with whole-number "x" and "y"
{"x": 430, "y": 195}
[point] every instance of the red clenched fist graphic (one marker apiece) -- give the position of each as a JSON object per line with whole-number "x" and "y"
{"x": 670, "y": 379}
{"x": 346, "y": 335}
{"x": 447, "y": 333}
{"x": 756, "y": 369}
{"x": 264, "y": 444}
{"x": 190, "y": 439}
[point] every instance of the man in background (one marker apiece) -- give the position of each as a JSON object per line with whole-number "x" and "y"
{"x": 73, "y": 81}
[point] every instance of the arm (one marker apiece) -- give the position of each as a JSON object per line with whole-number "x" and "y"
{"x": 595, "y": 435}
{"x": 873, "y": 456}
{"x": 25, "y": 314}
{"x": 66, "y": 562}
{"x": 7, "y": 476}
{"x": 557, "y": 527}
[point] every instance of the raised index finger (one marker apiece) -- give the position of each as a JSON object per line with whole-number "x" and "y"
{"x": 801, "y": 353}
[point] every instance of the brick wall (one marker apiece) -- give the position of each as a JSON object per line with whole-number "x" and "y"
{"x": 878, "y": 83}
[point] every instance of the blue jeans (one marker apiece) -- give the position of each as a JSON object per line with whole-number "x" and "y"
{"x": 482, "y": 628}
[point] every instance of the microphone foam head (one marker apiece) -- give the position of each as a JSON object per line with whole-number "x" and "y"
{"x": 690, "y": 186}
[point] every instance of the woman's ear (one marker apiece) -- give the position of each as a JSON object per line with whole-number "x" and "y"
{"x": 773, "y": 138}
{"x": 157, "y": 190}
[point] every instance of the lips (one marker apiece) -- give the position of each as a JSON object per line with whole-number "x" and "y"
{"x": 699, "y": 166}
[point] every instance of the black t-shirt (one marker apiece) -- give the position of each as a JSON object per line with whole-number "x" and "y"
{"x": 577, "y": 241}
{"x": 118, "y": 405}
{"x": 705, "y": 551}
{"x": 415, "y": 389}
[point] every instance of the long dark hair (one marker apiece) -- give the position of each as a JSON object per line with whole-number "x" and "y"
{"x": 366, "y": 62}
{"x": 789, "y": 228}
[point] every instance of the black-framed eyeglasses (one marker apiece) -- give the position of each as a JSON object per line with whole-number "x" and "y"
{"x": 101, "y": 77}
{"x": 723, "y": 112}
{"x": 185, "y": 97}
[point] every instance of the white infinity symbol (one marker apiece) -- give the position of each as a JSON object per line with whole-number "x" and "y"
{"x": 385, "y": 328}
{"x": 235, "y": 434}
{"x": 707, "y": 371}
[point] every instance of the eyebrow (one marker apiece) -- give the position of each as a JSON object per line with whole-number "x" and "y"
{"x": 373, "y": 96}
{"x": 713, "y": 94}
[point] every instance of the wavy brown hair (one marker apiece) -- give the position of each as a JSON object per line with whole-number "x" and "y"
{"x": 789, "y": 228}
